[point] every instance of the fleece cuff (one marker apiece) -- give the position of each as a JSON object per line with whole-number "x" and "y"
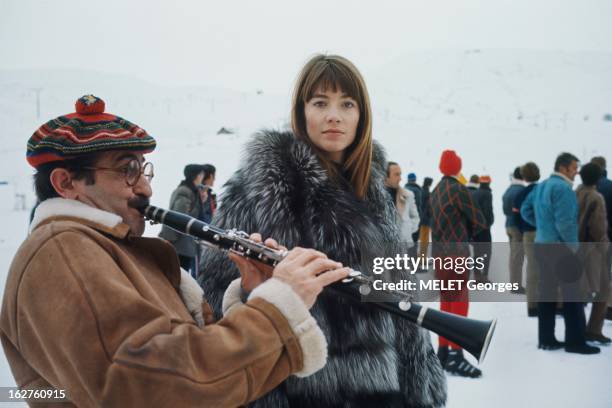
{"x": 231, "y": 297}
{"x": 309, "y": 334}
{"x": 192, "y": 295}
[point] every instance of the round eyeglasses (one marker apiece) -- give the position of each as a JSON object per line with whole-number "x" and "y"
{"x": 131, "y": 171}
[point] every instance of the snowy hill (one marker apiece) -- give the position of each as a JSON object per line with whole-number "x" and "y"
{"x": 487, "y": 103}
{"x": 497, "y": 108}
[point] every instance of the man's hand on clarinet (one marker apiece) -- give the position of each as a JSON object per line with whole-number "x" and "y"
{"x": 253, "y": 273}
{"x": 306, "y": 271}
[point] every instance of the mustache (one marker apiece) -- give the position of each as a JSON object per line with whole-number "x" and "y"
{"x": 138, "y": 202}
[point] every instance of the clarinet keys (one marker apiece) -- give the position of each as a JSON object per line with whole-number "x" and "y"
{"x": 351, "y": 277}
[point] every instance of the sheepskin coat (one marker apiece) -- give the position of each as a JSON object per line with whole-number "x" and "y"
{"x": 109, "y": 318}
{"x": 282, "y": 191}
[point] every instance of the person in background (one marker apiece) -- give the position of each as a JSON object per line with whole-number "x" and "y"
{"x": 515, "y": 237}
{"x": 186, "y": 199}
{"x": 412, "y": 186}
{"x": 482, "y": 247}
{"x": 593, "y": 235}
{"x": 604, "y": 187}
{"x": 207, "y": 196}
{"x": 404, "y": 202}
{"x": 425, "y": 228}
{"x": 552, "y": 208}
{"x": 530, "y": 174}
{"x": 455, "y": 219}
{"x": 473, "y": 184}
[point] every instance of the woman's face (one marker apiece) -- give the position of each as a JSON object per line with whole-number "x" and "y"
{"x": 331, "y": 122}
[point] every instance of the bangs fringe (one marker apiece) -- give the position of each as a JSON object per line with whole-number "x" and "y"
{"x": 335, "y": 78}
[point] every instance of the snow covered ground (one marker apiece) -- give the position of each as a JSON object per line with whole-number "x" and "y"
{"x": 498, "y": 109}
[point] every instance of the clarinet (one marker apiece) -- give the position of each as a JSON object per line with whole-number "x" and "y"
{"x": 471, "y": 334}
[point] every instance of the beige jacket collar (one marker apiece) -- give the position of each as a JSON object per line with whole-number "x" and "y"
{"x": 65, "y": 209}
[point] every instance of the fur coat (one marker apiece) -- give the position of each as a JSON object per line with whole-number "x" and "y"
{"x": 282, "y": 191}
{"x": 592, "y": 233}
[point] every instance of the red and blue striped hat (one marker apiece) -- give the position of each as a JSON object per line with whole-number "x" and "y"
{"x": 88, "y": 130}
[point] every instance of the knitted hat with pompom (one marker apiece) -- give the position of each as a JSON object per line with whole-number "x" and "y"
{"x": 450, "y": 163}
{"x": 88, "y": 130}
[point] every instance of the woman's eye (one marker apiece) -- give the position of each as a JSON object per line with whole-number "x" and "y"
{"x": 349, "y": 104}
{"x": 319, "y": 104}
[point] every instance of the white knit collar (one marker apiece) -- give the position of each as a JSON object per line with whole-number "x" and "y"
{"x": 564, "y": 177}
{"x": 57, "y": 207}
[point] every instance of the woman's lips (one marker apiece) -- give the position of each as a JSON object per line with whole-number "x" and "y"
{"x": 333, "y": 134}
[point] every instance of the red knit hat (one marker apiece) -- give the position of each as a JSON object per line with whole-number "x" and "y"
{"x": 485, "y": 179}
{"x": 88, "y": 130}
{"x": 450, "y": 163}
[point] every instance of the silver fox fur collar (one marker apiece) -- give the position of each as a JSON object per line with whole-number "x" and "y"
{"x": 283, "y": 192}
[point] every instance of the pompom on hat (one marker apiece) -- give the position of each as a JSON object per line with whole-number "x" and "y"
{"x": 450, "y": 163}
{"x": 485, "y": 179}
{"x": 88, "y": 130}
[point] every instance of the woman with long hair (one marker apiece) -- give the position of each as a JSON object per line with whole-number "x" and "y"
{"x": 321, "y": 185}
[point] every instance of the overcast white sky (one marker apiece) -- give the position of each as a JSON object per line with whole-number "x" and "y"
{"x": 262, "y": 44}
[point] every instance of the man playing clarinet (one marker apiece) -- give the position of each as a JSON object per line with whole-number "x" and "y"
{"x": 94, "y": 310}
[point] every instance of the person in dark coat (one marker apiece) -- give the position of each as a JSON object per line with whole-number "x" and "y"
{"x": 515, "y": 237}
{"x": 553, "y": 208}
{"x": 185, "y": 199}
{"x": 593, "y": 235}
{"x": 207, "y": 196}
{"x": 530, "y": 173}
{"x": 321, "y": 185}
{"x": 418, "y": 198}
{"x": 604, "y": 187}
{"x": 473, "y": 183}
{"x": 455, "y": 221}
{"x": 483, "y": 197}
{"x": 425, "y": 228}
{"x": 416, "y": 189}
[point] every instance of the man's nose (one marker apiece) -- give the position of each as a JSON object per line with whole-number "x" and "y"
{"x": 143, "y": 187}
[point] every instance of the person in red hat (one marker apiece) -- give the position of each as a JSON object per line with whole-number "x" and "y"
{"x": 98, "y": 315}
{"x": 455, "y": 220}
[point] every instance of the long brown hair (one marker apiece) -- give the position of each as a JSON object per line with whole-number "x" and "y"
{"x": 333, "y": 72}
